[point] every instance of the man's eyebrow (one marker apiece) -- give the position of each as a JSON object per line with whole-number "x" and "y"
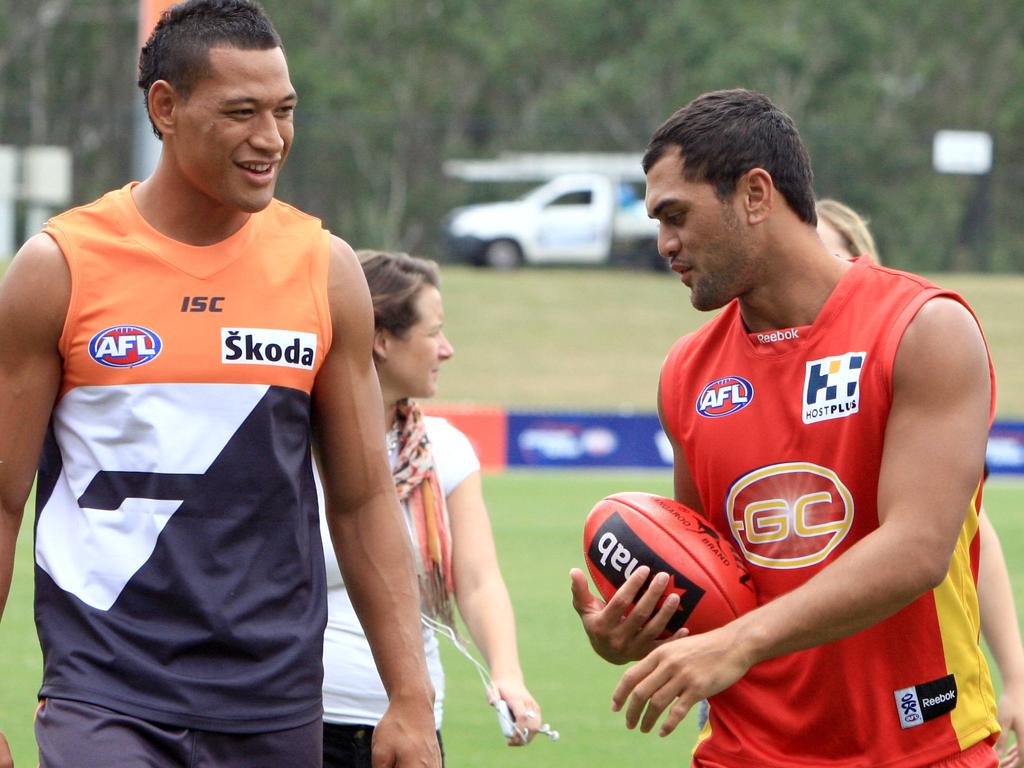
{"x": 663, "y": 205}
{"x": 239, "y": 100}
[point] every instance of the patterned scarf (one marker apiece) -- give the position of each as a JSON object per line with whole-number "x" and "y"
{"x": 417, "y": 486}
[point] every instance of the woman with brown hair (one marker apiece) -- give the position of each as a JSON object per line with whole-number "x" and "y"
{"x": 437, "y": 478}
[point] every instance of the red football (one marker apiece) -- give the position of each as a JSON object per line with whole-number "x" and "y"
{"x": 627, "y": 530}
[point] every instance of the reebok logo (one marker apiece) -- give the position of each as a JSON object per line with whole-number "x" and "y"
{"x": 770, "y": 338}
{"x": 921, "y": 703}
{"x": 268, "y": 346}
{"x": 947, "y": 696}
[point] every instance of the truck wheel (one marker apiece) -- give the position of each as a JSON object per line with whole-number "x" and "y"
{"x": 502, "y": 254}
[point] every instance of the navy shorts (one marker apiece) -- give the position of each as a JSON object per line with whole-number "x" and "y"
{"x": 73, "y": 733}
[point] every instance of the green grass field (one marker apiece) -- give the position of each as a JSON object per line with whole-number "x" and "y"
{"x": 538, "y": 520}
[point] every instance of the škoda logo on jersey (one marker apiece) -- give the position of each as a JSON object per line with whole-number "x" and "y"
{"x": 268, "y": 346}
{"x": 124, "y": 346}
{"x": 790, "y": 515}
{"x": 832, "y": 387}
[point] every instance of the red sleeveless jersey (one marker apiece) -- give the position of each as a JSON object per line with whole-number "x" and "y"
{"x": 783, "y": 433}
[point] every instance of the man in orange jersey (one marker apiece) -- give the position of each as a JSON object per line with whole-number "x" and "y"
{"x": 170, "y": 351}
{"x": 841, "y": 449}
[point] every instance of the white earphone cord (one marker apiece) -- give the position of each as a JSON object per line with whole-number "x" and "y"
{"x": 485, "y": 675}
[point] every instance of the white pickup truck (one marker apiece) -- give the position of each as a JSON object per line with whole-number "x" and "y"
{"x": 575, "y": 218}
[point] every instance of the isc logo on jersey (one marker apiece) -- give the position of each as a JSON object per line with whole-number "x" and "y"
{"x": 832, "y": 387}
{"x": 790, "y": 515}
{"x": 268, "y": 346}
{"x": 724, "y": 396}
{"x": 124, "y": 346}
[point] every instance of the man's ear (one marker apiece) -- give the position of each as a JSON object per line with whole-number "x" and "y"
{"x": 162, "y": 102}
{"x": 381, "y": 342}
{"x": 757, "y": 191}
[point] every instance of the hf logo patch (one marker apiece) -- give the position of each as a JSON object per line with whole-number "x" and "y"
{"x": 268, "y": 346}
{"x": 920, "y": 703}
{"x": 124, "y": 346}
{"x": 724, "y": 396}
{"x": 832, "y": 387}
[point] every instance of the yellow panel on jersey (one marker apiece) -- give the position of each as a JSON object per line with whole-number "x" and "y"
{"x": 955, "y": 599}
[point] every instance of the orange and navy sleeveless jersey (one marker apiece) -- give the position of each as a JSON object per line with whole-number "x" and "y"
{"x": 783, "y": 434}
{"x": 179, "y": 571}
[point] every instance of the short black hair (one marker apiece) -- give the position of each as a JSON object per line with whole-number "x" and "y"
{"x": 723, "y": 134}
{"x": 178, "y": 50}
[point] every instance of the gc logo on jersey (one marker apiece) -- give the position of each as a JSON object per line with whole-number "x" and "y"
{"x": 790, "y": 515}
{"x": 724, "y": 396}
{"x": 268, "y": 346}
{"x": 124, "y": 346}
{"x": 832, "y": 387}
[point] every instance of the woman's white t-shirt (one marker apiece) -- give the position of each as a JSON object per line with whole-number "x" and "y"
{"x": 353, "y": 692}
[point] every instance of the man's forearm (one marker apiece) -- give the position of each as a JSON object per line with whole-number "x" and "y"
{"x": 376, "y": 563}
{"x": 873, "y": 580}
{"x": 10, "y": 523}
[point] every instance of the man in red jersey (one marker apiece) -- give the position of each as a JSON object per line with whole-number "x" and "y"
{"x": 848, "y": 472}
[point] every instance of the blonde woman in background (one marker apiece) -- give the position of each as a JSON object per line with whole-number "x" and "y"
{"x": 845, "y": 233}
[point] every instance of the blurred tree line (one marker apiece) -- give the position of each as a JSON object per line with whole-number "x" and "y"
{"x": 391, "y": 88}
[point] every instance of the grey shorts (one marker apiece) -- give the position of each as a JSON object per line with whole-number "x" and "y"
{"x": 73, "y": 733}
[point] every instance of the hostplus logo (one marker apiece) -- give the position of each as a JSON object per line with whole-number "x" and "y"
{"x": 832, "y": 387}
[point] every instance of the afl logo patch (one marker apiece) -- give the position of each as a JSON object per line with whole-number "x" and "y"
{"x": 724, "y": 396}
{"x": 124, "y": 346}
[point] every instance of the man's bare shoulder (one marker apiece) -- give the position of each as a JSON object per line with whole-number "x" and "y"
{"x": 944, "y": 327}
{"x": 38, "y": 281}
{"x": 43, "y": 251}
{"x": 348, "y": 294}
{"x": 942, "y": 355}
{"x": 346, "y": 274}
{"x": 343, "y": 258}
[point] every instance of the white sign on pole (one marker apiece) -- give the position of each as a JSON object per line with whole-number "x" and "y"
{"x": 966, "y": 152}
{"x": 8, "y": 190}
{"x": 46, "y": 176}
{"x": 8, "y": 171}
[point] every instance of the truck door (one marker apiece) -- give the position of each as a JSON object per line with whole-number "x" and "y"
{"x": 574, "y": 222}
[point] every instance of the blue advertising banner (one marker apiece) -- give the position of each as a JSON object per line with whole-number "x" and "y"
{"x": 578, "y": 439}
{"x": 568, "y": 439}
{"x": 1005, "y": 452}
